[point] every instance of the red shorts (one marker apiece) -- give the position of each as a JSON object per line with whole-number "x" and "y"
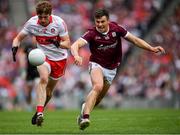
{"x": 57, "y": 68}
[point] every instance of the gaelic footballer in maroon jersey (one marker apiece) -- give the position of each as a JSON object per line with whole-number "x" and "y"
{"x": 106, "y": 49}
{"x": 106, "y": 52}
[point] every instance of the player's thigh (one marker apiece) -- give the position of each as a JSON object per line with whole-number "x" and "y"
{"x": 97, "y": 78}
{"x": 43, "y": 72}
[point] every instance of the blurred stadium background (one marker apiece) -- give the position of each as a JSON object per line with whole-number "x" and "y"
{"x": 145, "y": 80}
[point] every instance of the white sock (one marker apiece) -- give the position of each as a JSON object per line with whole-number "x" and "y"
{"x": 82, "y": 109}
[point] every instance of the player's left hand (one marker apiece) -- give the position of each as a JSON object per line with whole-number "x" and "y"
{"x": 55, "y": 42}
{"x": 14, "y": 51}
{"x": 78, "y": 60}
{"x": 159, "y": 49}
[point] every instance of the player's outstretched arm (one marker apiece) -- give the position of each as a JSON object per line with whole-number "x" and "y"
{"x": 75, "y": 49}
{"x": 143, "y": 44}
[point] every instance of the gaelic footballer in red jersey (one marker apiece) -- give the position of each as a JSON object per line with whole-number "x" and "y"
{"x": 52, "y": 38}
{"x": 104, "y": 41}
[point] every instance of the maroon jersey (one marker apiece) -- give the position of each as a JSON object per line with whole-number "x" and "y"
{"x": 106, "y": 49}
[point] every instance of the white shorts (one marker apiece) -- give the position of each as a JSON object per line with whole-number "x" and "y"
{"x": 109, "y": 74}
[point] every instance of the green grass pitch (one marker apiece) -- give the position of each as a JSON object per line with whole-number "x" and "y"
{"x": 103, "y": 121}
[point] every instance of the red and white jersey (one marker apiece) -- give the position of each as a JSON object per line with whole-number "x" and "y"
{"x": 56, "y": 29}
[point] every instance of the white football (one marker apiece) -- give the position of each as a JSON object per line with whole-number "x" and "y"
{"x": 36, "y": 57}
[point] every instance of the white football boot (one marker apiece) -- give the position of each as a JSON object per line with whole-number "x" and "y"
{"x": 82, "y": 123}
{"x": 39, "y": 119}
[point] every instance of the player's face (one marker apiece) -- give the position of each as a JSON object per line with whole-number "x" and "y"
{"x": 102, "y": 24}
{"x": 44, "y": 19}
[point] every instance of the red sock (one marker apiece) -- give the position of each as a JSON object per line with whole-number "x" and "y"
{"x": 39, "y": 109}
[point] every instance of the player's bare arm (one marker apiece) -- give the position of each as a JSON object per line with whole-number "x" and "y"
{"x": 17, "y": 40}
{"x": 16, "y": 43}
{"x": 75, "y": 49}
{"x": 143, "y": 44}
{"x": 65, "y": 42}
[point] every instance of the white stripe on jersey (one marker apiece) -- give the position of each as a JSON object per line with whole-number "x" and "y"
{"x": 56, "y": 29}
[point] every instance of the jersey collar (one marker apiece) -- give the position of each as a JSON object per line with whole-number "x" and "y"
{"x": 105, "y": 33}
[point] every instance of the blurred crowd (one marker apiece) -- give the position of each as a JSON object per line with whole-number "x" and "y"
{"x": 143, "y": 75}
{"x": 155, "y": 76}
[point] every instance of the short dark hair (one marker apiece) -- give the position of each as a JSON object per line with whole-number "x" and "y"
{"x": 43, "y": 7}
{"x": 100, "y": 13}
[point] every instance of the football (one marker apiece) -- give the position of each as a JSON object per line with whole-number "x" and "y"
{"x": 36, "y": 57}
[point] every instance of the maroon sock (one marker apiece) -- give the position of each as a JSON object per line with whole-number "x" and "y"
{"x": 39, "y": 109}
{"x": 86, "y": 116}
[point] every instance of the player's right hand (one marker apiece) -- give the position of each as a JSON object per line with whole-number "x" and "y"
{"x": 158, "y": 49}
{"x": 55, "y": 42}
{"x": 14, "y": 51}
{"x": 78, "y": 60}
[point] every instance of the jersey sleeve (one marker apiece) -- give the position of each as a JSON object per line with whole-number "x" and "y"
{"x": 88, "y": 36}
{"x": 27, "y": 28}
{"x": 122, "y": 31}
{"x": 63, "y": 29}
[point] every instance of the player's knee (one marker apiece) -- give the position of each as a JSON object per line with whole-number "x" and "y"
{"x": 43, "y": 80}
{"x": 98, "y": 87}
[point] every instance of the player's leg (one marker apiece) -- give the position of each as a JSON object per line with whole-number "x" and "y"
{"x": 31, "y": 82}
{"x": 97, "y": 86}
{"x": 98, "y": 100}
{"x": 103, "y": 93}
{"x": 41, "y": 94}
{"x": 28, "y": 88}
{"x": 108, "y": 78}
{"x": 49, "y": 89}
{"x": 56, "y": 70}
